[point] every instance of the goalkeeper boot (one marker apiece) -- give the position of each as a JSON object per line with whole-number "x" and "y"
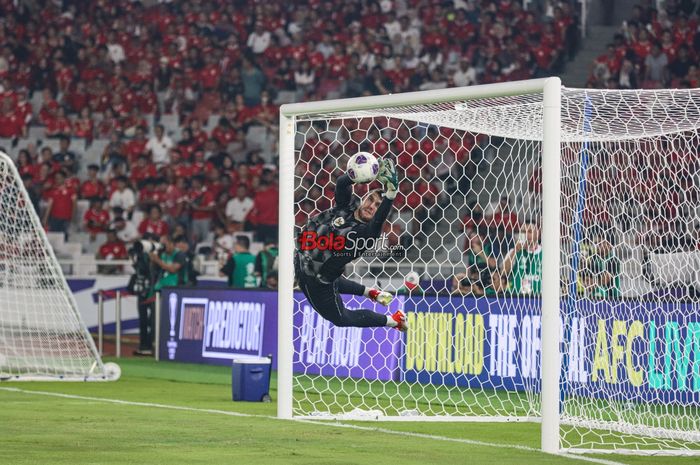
{"x": 400, "y": 318}
{"x": 381, "y": 297}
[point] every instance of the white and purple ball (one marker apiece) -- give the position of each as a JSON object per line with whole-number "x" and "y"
{"x": 363, "y": 167}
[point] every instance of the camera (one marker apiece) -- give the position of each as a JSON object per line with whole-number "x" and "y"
{"x": 148, "y": 246}
{"x": 141, "y": 281}
{"x": 140, "y": 250}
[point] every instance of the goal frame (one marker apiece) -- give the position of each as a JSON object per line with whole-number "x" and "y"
{"x": 97, "y": 370}
{"x": 550, "y": 88}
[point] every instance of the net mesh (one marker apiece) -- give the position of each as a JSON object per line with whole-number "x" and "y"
{"x": 466, "y": 221}
{"x": 41, "y": 333}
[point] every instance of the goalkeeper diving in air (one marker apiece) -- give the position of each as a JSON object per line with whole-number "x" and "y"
{"x": 339, "y": 235}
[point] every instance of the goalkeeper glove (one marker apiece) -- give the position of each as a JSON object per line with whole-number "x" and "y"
{"x": 388, "y": 179}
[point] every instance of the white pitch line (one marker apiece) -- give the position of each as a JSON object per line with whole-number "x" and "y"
{"x": 459, "y": 440}
{"x": 313, "y": 422}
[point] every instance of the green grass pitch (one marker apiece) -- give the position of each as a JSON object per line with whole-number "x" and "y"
{"x": 178, "y": 413}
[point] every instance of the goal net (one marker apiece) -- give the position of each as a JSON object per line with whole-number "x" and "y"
{"x": 41, "y": 332}
{"x": 467, "y": 224}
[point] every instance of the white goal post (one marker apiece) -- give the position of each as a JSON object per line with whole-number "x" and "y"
{"x": 42, "y": 336}
{"x": 554, "y": 354}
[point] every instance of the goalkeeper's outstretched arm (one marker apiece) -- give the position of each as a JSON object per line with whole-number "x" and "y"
{"x": 389, "y": 180}
{"x": 343, "y": 191}
{"x": 374, "y": 227}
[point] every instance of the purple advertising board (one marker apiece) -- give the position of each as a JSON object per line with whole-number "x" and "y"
{"x": 610, "y": 348}
{"x": 214, "y": 326}
{"x": 217, "y": 325}
{"x": 624, "y": 349}
{"x": 325, "y": 349}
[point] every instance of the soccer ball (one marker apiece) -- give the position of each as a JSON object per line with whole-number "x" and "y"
{"x": 363, "y": 167}
{"x": 112, "y": 371}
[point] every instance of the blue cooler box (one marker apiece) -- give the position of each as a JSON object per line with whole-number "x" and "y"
{"x": 250, "y": 379}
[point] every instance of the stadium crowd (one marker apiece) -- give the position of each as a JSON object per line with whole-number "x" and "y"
{"x": 653, "y": 49}
{"x": 111, "y": 70}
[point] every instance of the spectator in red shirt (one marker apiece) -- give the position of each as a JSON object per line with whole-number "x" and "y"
{"x": 44, "y": 179}
{"x": 211, "y": 73}
{"x": 11, "y": 122}
{"x": 147, "y": 194}
{"x": 176, "y": 201}
{"x": 25, "y": 165}
{"x": 61, "y": 204}
{"x": 49, "y": 108}
{"x": 132, "y": 122}
{"x": 265, "y": 113}
{"x": 187, "y": 145}
{"x": 264, "y": 216}
{"x": 113, "y": 249}
{"x": 223, "y": 132}
{"x": 96, "y": 219}
{"x": 154, "y": 224}
{"x": 110, "y": 124}
{"x": 92, "y": 188}
{"x": 198, "y": 134}
{"x": 202, "y": 204}
{"x": 60, "y": 125}
{"x": 77, "y": 99}
{"x": 84, "y": 126}
{"x": 141, "y": 171}
{"x": 148, "y": 101}
{"x": 136, "y": 146}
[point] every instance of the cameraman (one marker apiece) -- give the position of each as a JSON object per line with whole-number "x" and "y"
{"x": 170, "y": 264}
{"x": 189, "y": 274}
{"x": 141, "y": 285}
{"x": 167, "y": 265}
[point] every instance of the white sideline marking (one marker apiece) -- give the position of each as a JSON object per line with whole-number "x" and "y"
{"x": 313, "y": 422}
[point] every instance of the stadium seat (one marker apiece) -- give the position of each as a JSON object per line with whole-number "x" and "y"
{"x": 86, "y": 265}
{"x": 285, "y": 96}
{"x": 256, "y": 137}
{"x": 35, "y": 132}
{"x": 24, "y": 143}
{"x": 94, "y": 153}
{"x": 56, "y": 239}
{"x": 211, "y": 123}
{"x": 81, "y": 207}
{"x": 53, "y": 144}
{"x": 6, "y": 144}
{"x": 93, "y": 247}
{"x": 169, "y": 122}
{"x": 81, "y": 237}
{"x": 71, "y": 250}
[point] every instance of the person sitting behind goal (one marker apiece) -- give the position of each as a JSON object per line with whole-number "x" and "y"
{"x": 599, "y": 277}
{"x": 171, "y": 266}
{"x": 266, "y": 262}
{"x": 170, "y": 263}
{"x": 411, "y": 285}
{"x": 523, "y": 263}
{"x": 240, "y": 266}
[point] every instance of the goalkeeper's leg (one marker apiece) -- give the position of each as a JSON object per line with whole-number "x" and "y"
{"x": 325, "y": 299}
{"x": 345, "y": 286}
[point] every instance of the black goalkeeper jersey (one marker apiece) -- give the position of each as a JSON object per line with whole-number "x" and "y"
{"x": 334, "y": 238}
